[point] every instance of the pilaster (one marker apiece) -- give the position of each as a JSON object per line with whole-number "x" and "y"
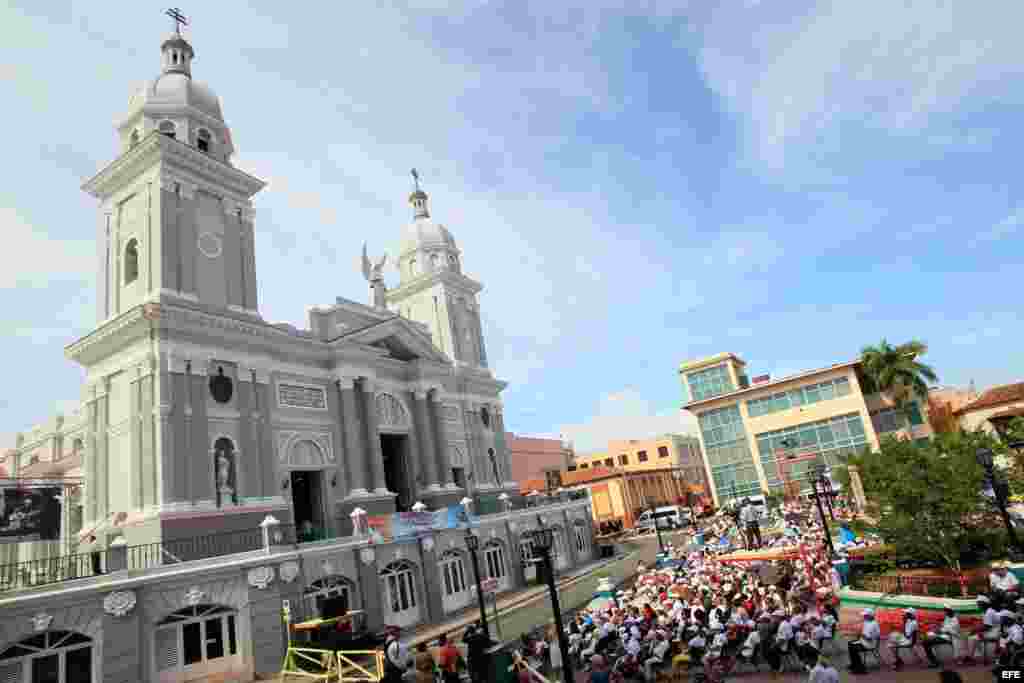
{"x": 372, "y": 438}
{"x": 352, "y": 432}
{"x": 431, "y": 578}
{"x": 370, "y": 588}
{"x": 444, "y": 470}
{"x": 427, "y": 451}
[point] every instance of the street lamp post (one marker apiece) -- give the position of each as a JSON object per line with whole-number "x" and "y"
{"x": 543, "y": 539}
{"x": 816, "y": 474}
{"x": 657, "y": 528}
{"x": 1000, "y": 488}
{"x": 473, "y": 544}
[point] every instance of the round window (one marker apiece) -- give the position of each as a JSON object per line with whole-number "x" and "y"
{"x": 221, "y": 387}
{"x": 485, "y": 416}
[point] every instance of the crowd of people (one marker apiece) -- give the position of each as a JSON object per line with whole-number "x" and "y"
{"x": 703, "y": 610}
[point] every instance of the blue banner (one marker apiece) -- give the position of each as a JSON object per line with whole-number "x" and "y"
{"x": 416, "y": 524}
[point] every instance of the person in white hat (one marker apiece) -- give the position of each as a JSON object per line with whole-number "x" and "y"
{"x": 1005, "y": 586}
{"x": 948, "y": 633}
{"x": 870, "y": 634}
{"x": 988, "y": 631}
{"x": 906, "y": 638}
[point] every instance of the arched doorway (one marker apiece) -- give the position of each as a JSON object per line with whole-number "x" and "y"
{"x": 401, "y": 595}
{"x": 197, "y": 642}
{"x": 48, "y": 657}
{"x": 527, "y": 557}
{"x": 454, "y": 586}
{"x": 331, "y": 596}
{"x": 306, "y": 464}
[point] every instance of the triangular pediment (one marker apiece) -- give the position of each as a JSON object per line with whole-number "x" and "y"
{"x": 401, "y": 338}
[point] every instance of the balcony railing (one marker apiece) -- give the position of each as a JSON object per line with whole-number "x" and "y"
{"x": 124, "y": 557}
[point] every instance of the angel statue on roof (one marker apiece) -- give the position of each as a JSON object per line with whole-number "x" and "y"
{"x": 374, "y": 274}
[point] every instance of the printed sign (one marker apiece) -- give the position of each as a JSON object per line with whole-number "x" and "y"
{"x": 489, "y": 585}
{"x": 29, "y": 514}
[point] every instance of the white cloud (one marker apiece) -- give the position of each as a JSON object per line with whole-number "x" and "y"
{"x": 626, "y": 414}
{"x": 30, "y": 257}
{"x": 899, "y": 67}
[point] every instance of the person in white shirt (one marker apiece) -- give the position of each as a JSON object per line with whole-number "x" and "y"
{"x": 750, "y": 645}
{"x": 870, "y": 634}
{"x": 657, "y": 657}
{"x": 823, "y": 672}
{"x": 781, "y": 646}
{"x": 989, "y": 630}
{"x": 905, "y": 638}
{"x": 948, "y": 633}
{"x": 1003, "y": 583}
{"x": 751, "y": 525}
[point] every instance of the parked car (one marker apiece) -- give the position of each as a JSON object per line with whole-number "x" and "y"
{"x": 667, "y": 517}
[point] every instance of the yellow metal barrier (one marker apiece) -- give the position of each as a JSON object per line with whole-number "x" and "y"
{"x": 309, "y": 664}
{"x": 351, "y": 670}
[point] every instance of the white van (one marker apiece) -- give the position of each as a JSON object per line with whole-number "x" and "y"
{"x": 667, "y": 517}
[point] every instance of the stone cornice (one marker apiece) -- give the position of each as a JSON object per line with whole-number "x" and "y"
{"x": 178, "y": 159}
{"x": 455, "y": 280}
{"x": 132, "y": 323}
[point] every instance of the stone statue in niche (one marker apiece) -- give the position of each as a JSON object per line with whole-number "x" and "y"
{"x": 224, "y": 455}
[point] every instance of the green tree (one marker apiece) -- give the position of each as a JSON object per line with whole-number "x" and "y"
{"x": 1014, "y": 460}
{"x": 929, "y": 497}
{"x": 896, "y": 372}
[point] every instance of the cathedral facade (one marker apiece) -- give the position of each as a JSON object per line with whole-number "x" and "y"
{"x": 198, "y": 415}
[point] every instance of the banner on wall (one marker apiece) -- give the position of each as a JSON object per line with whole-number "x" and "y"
{"x": 29, "y": 514}
{"x": 406, "y": 525}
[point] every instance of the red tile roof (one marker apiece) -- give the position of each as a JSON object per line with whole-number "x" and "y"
{"x": 996, "y": 396}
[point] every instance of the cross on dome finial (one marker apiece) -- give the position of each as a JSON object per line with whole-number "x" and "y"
{"x": 418, "y": 198}
{"x": 179, "y": 18}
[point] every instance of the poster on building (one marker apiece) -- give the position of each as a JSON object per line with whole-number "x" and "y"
{"x": 405, "y": 525}
{"x": 29, "y": 514}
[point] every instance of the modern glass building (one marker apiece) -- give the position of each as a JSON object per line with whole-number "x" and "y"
{"x": 765, "y": 435}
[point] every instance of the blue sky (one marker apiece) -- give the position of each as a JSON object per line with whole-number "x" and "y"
{"x": 635, "y": 183}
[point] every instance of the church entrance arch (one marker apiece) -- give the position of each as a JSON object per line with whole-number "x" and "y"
{"x": 393, "y": 425}
{"x": 305, "y": 463}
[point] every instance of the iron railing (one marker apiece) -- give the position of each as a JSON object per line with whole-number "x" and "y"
{"x": 32, "y": 573}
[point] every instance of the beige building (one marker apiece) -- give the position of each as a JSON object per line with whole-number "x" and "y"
{"x": 757, "y": 435}
{"x": 680, "y": 453}
{"x": 993, "y": 409}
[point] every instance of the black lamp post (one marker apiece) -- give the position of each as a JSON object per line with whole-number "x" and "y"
{"x": 815, "y": 475}
{"x": 473, "y": 544}
{"x": 657, "y": 529}
{"x": 1000, "y": 488}
{"x": 543, "y": 539}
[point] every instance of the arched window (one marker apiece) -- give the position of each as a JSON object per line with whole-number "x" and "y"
{"x": 203, "y": 140}
{"x": 331, "y": 596}
{"x": 134, "y": 139}
{"x": 59, "y": 656}
{"x": 401, "y": 603}
{"x": 198, "y": 641}
{"x": 167, "y": 128}
{"x": 494, "y": 561}
{"x": 131, "y": 261}
{"x": 526, "y": 554}
{"x": 581, "y": 537}
{"x": 453, "y": 574}
{"x": 413, "y": 268}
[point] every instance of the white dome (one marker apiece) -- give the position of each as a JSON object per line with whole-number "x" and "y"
{"x": 424, "y": 233}
{"x": 177, "y": 89}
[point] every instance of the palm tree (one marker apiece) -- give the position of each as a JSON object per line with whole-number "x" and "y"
{"x": 896, "y": 372}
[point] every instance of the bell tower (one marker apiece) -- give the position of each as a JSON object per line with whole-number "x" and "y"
{"x": 176, "y": 219}
{"x": 433, "y": 289}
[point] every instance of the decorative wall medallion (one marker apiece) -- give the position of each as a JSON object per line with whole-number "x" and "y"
{"x": 300, "y": 396}
{"x": 41, "y": 622}
{"x": 399, "y": 553}
{"x": 391, "y": 412}
{"x": 119, "y": 603}
{"x": 194, "y": 596}
{"x": 494, "y": 533}
{"x": 210, "y": 245}
{"x": 428, "y": 543}
{"x": 451, "y": 542}
{"x": 366, "y": 556}
{"x": 327, "y": 567}
{"x": 260, "y": 577}
{"x": 512, "y": 526}
{"x": 288, "y": 571}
